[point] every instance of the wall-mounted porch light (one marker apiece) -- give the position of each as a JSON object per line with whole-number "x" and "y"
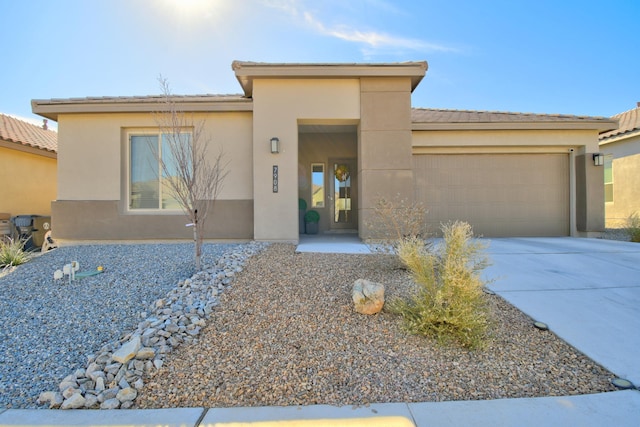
{"x": 275, "y": 145}
{"x": 598, "y": 159}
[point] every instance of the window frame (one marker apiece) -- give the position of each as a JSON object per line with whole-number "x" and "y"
{"x": 157, "y": 133}
{"x": 324, "y": 186}
{"x": 608, "y": 164}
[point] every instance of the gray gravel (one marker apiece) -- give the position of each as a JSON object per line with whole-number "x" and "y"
{"x": 286, "y": 333}
{"x": 48, "y": 329}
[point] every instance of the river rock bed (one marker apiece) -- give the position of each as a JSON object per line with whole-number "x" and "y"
{"x": 59, "y": 337}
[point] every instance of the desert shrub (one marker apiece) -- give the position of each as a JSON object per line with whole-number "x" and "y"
{"x": 633, "y": 227}
{"x": 449, "y": 303}
{"x": 12, "y": 252}
{"x": 395, "y": 220}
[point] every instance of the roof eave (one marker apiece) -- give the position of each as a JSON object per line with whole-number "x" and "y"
{"x": 51, "y": 108}
{"x": 28, "y": 148}
{"x": 246, "y": 72}
{"x": 620, "y": 136}
{"x": 599, "y": 125}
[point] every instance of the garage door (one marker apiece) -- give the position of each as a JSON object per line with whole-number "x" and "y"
{"x": 498, "y": 194}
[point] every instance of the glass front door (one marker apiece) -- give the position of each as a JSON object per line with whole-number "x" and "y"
{"x": 343, "y": 191}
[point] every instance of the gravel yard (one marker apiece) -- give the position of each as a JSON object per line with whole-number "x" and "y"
{"x": 286, "y": 333}
{"x": 48, "y": 329}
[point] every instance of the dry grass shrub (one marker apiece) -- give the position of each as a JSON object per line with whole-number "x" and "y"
{"x": 395, "y": 220}
{"x": 12, "y": 252}
{"x": 449, "y": 303}
{"x": 633, "y": 227}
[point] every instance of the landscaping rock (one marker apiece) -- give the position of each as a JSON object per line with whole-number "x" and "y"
{"x": 110, "y": 404}
{"x": 368, "y": 296}
{"x": 74, "y": 401}
{"x": 128, "y": 350}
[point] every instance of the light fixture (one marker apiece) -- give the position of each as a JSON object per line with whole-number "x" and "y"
{"x": 598, "y": 159}
{"x": 275, "y": 145}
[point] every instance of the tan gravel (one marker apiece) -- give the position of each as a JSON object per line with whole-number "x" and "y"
{"x": 286, "y": 333}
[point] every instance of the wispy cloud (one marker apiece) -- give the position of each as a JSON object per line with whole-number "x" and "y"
{"x": 372, "y": 42}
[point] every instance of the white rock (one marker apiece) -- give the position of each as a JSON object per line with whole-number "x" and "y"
{"x": 69, "y": 392}
{"x": 127, "y": 394}
{"x": 90, "y": 401}
{"x": 99, "y": 384}
{"x": 145, "y": 353}
{"x": 54, "y": 399}
{"x": 110, "y": 404}
{"x": 76, "y": 401}
{"x": 368, "y": 296}
{"x": 128, "y": 350}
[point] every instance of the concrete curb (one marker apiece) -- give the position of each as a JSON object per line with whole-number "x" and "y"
{"x": 619, "y": 408}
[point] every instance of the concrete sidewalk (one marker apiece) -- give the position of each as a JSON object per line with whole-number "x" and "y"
{"x": 620, "y": 408}
{"x": 586, "y": 290}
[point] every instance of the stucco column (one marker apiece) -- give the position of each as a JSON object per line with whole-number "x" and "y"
{"x": 589, "y": 195}
{"x": 384, "y": 146}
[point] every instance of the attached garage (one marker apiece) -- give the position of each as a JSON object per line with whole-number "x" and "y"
{"x": 498, "y": 194}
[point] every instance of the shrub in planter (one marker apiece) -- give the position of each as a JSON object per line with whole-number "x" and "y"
{"x": 311, "y": 219}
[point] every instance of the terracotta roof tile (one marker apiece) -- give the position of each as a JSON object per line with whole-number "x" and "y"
{"x": 629, "y": 121}
{"x": 430, "y": 115}
{"x": 21, "y": 132}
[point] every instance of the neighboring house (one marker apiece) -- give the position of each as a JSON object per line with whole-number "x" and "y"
{"x": 28, "y": 171}
{"x": 621, "y": 148}
{"x": 508, "y": 174}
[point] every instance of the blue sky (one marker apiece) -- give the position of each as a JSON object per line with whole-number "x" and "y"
{"x": 571, "y": 57}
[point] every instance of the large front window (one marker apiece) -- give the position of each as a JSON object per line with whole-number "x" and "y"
{"x": 149, "y": 186}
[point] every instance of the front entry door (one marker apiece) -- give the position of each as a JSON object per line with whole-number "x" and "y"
{"x": 343, "y": 194}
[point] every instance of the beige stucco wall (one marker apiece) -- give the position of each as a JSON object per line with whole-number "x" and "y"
{"x": 626, "y": 180}
{"x": 279, "y": 105}
{"x": 385, "y": 168}
{"x": 540, "y": 140}
{"x": 586, "y": 192}
{"x": 93, "y": 176}
{"x": 92, "y": 152}
{"x": 27, "y": 182}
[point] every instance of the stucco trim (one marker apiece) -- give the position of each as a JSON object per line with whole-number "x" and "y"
{"x": 51, "y": 108}
{"x": 246, "y": 72}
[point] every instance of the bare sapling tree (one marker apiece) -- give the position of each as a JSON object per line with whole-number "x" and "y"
{"x": 189, "y": 174}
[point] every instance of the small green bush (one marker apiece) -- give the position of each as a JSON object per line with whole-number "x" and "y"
{"x": 12, "y": 252}
{"x": 449, "y": 303}
{"x": 302, "y": 204}
{"x": 633, "y": 227}
{"x": 311, "y": 216}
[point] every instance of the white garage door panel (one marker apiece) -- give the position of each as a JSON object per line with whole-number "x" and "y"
{"x": 498, "y": 194}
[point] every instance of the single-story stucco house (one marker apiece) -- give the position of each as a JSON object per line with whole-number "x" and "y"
{"x": 28, "y": 167}
{"x": 508, "y": 174}
{"x": 621, "y": 149}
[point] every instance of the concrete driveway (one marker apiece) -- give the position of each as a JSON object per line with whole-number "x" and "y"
{"x": 586, "y": 290}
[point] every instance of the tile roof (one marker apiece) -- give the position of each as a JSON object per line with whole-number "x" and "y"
{"x": 431, "y": 115}
{"x": 629, "y": 121}
{"x": 21, "y": 132}
{"x": 154, "y": 99}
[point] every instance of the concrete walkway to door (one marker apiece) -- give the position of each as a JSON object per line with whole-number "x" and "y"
{"x": 586, "y": 290}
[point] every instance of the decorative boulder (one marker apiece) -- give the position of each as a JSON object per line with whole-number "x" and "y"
{"x": 367, "y": 296}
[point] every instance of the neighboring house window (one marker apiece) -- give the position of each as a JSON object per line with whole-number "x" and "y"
{"x": 148, "y": 188}
{"x": 608, "y": 178}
